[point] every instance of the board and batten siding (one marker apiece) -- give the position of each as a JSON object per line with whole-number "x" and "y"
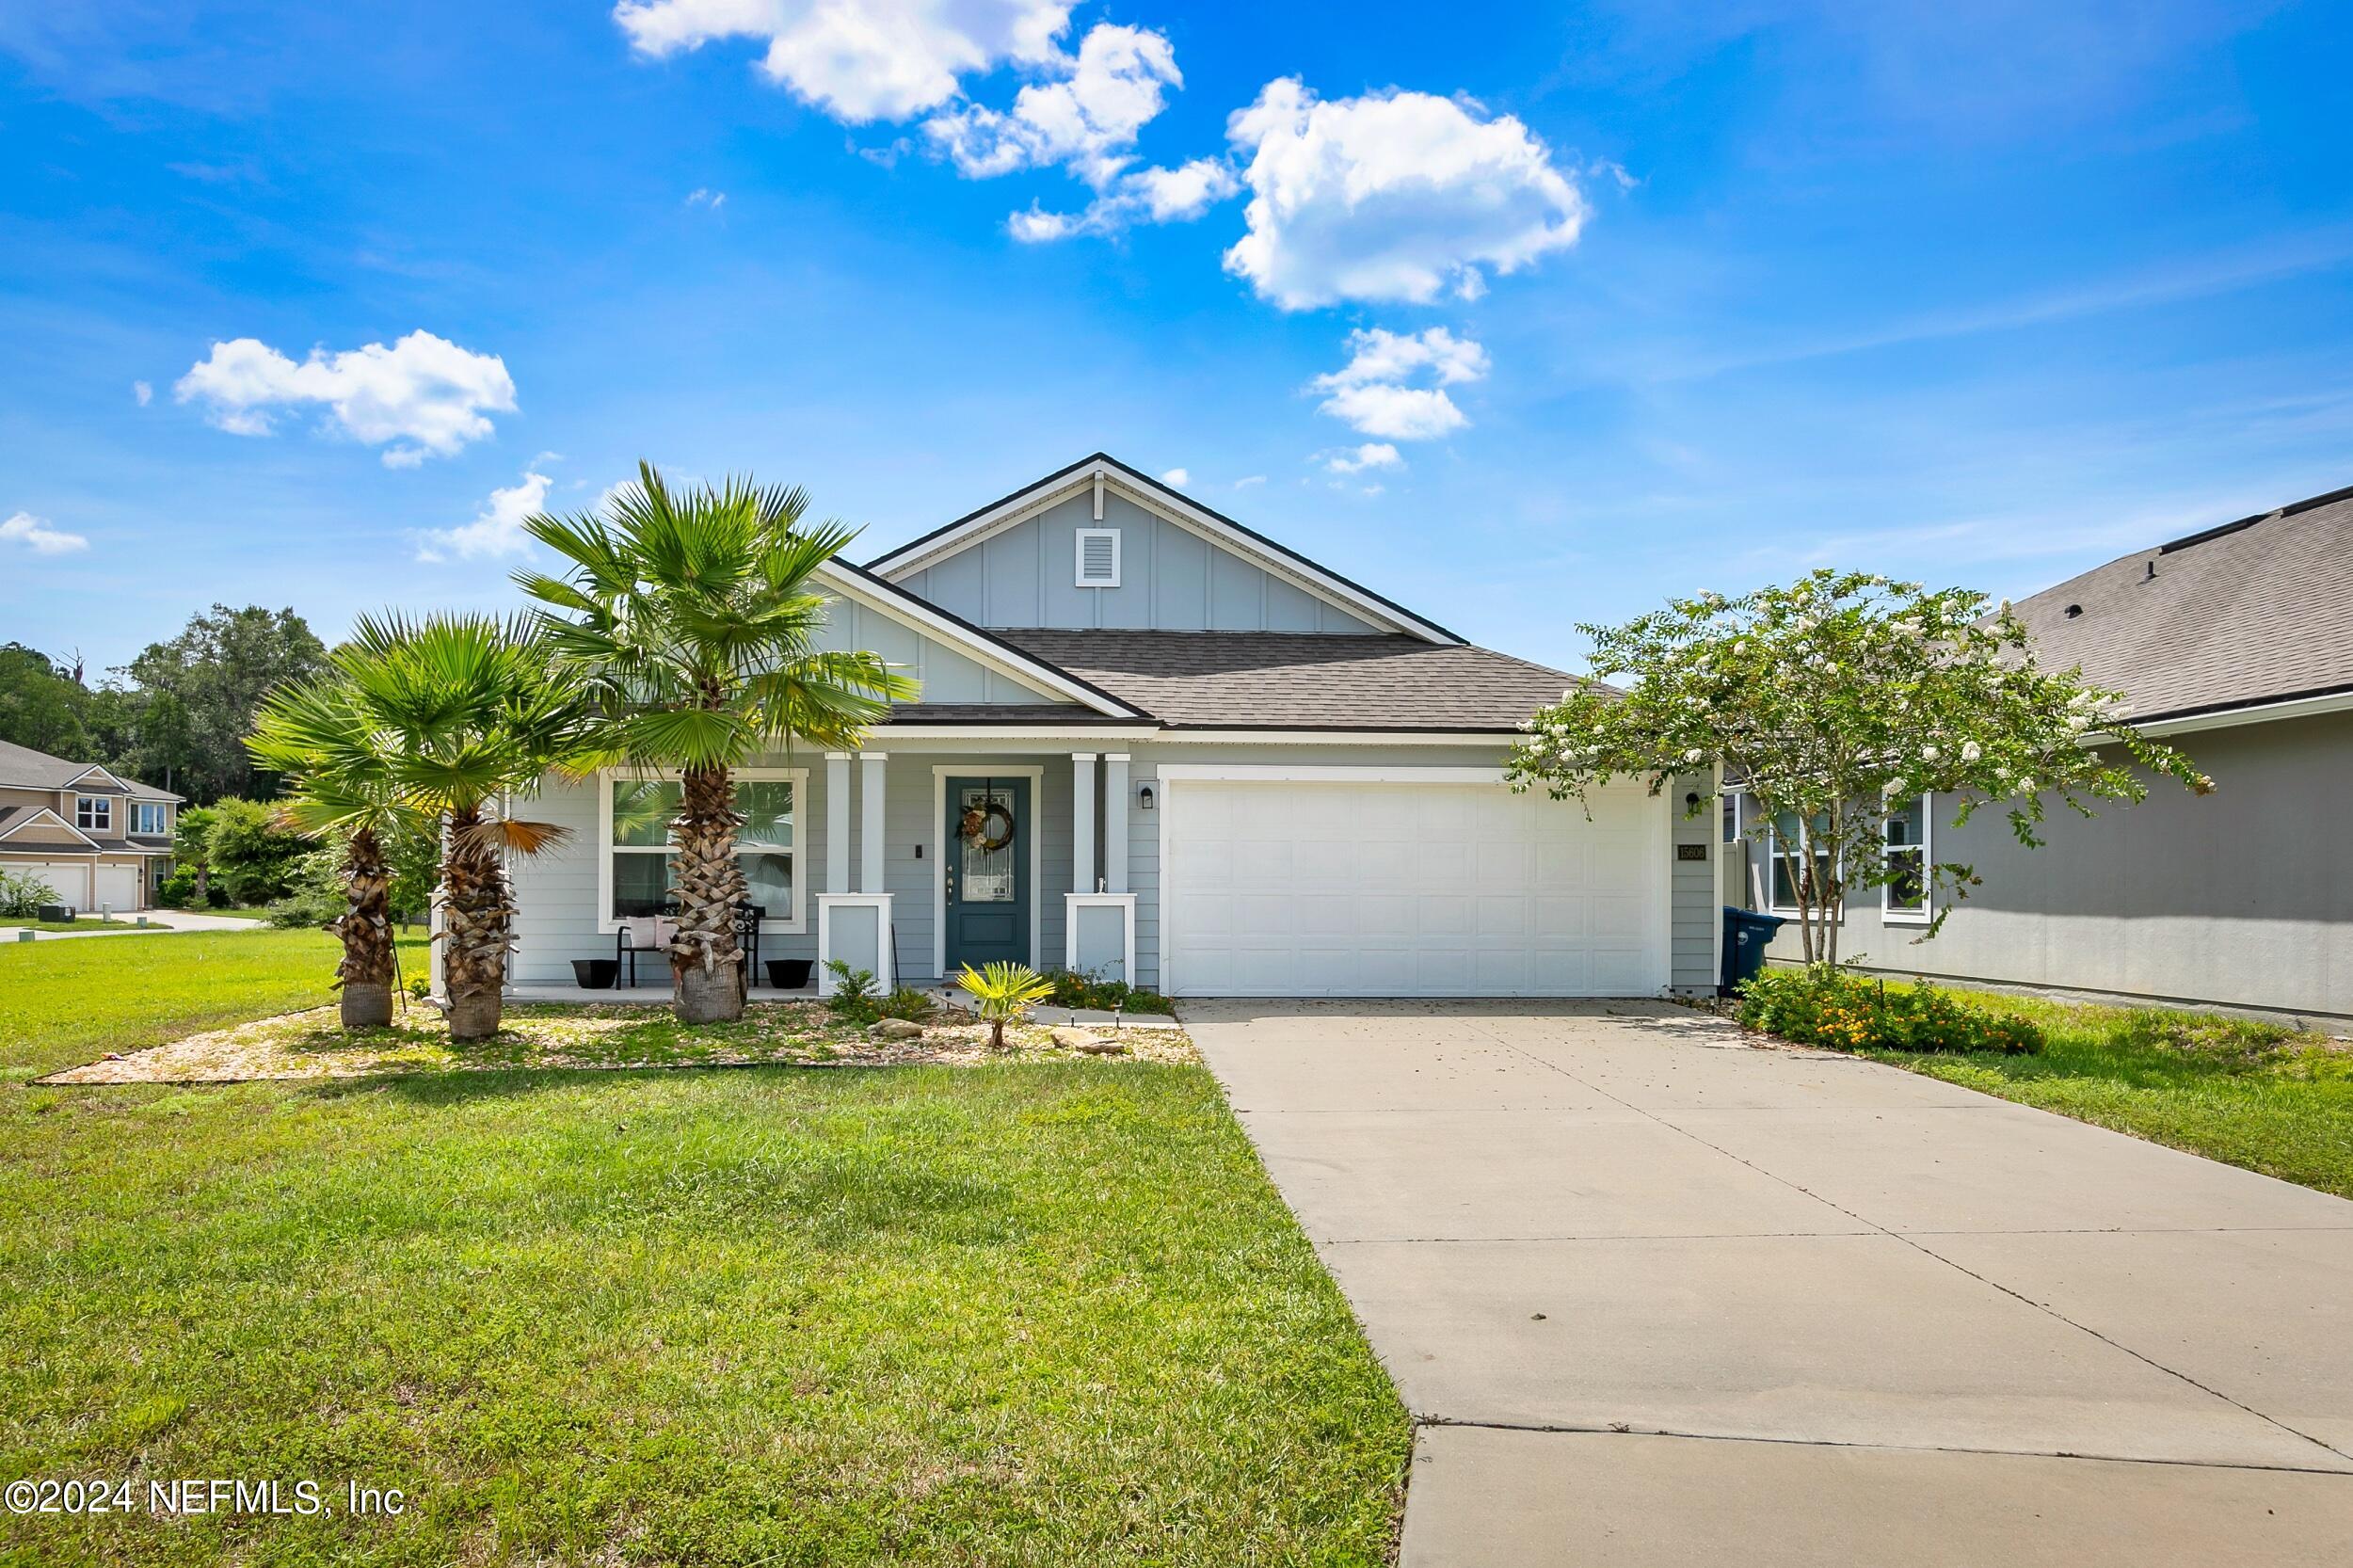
{"x": 1171, "y": 580}
{"x": 945, "y": 675}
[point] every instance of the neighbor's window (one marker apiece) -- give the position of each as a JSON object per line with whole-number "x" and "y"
{"x": 1906, "y": 895}
{"x": 1787, "y": 845}
{"x": 94, "y": 813}
{"x": 1731, "y": 816}
{"x": 643, "y": 862}
{"x": 147, "y": 817}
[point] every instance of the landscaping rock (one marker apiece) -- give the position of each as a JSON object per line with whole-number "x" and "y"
{"x": 895, "y": 1029}
{"x": 1079, "y": 1039}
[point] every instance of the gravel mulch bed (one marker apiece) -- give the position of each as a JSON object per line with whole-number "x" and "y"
{"x": 798, "y": 1033}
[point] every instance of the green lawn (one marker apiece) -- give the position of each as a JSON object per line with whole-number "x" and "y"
{"x": 65, "y": 1003}
{"x": 1045, "y": 1313}
{"x": 2252, "y": 1093}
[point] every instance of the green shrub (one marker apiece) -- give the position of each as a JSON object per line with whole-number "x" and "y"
{"x": 318, "y": 894}
{"x": 908, "y": 1003}
{"x": 253, "y": 856}
{"x": 1824, "y": 1006}
{"x": 1083, "y": 989}
{"x": 176, "y": 891}
{"x": 21, "y": 894}
{"x": 853, "y": 1000}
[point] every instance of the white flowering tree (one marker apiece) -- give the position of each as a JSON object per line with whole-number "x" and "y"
{"x": 1835, "y": 703}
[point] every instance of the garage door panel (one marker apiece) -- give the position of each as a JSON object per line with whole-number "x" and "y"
{"x": 1282, "y": 888}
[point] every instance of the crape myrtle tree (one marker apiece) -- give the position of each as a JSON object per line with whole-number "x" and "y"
{"x": 1833, "y": 703}
{"x": 690, "y": 617}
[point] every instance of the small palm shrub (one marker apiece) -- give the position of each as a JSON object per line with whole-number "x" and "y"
{"x": 1827, "y": 1006}
{"x": 1006, "y": 992}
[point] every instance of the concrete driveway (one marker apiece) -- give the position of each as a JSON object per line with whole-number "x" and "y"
{"x": 1659, "y": 1297}
{"x": 157, "y": 919}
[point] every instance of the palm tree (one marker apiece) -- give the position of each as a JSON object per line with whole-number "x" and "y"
{"x": 470, "y": 713}
{"x": 690, "y": 619}
{"x": 340, "y": 781}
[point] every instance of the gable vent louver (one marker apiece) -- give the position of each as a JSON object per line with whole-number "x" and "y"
{"x": 1098, "y": 558}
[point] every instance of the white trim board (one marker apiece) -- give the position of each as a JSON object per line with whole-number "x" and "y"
{"x": 1034, "y": 673}
{"x": 1072, "y": 902}
{"x": 1099, "y": 475}
{"x": 941, "y": 773}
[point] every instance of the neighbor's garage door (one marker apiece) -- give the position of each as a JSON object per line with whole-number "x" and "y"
{"x": 1285, "y": 888}
{"x": 68, "y": 879}
{"x": 118, "y": 887}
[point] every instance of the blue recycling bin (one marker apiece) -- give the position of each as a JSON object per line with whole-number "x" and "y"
{"x": 1746, "y": 934}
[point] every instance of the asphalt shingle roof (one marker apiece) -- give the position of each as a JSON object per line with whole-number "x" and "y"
{"x": 2254, "y": 610}
{"x": 1302, "y": 680}
{"x": 25, "y": 768}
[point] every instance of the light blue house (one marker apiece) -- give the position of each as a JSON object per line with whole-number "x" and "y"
{"x": 1157, "y": 745}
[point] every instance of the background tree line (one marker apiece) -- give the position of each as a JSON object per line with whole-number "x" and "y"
{"x": 176, "y": 715}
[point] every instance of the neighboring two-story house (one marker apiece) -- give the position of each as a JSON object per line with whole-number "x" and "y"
{"x": 2234, "y": 643}
{"x": 98, "y": 840}
{"x": 1155, "y": 744}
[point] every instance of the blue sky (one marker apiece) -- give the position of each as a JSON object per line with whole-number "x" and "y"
{"x": 1525, "y": 316}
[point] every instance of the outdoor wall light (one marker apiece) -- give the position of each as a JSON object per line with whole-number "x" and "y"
{"x": 1691, "y": 801}
{"x": 1144, "y": 796}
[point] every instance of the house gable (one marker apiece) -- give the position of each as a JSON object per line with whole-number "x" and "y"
{"x": 43, "y": 829}
{"x": 957, "y": 663}
{"x": 1169, "y": 565}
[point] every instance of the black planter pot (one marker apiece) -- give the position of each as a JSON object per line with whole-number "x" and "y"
{"x": 595, "y": 974}
{"x": 791, "y": 974}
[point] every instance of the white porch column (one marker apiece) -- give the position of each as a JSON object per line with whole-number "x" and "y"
{"x": 1114, "y": 821}
{"x": 836, "y": 821}
{"x": 1082, "y": 822}
{"x": 870, "y": 827}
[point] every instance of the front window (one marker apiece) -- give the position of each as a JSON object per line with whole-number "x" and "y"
{"x": 147, "y": 818}
{"x": 1906, "y": 895}
{"x": 643, "y": 862}
{"x": 1788, "y": 844}
{"x": 94, "y": 813}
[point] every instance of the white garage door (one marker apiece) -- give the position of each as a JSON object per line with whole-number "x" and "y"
{"x": 118, "y": 887}
{"x": 68, "y": 879}
{"x": 1285, "y": 888}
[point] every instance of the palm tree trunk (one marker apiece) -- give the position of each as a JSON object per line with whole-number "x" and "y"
{"x": 365, "y": 930}
{"x": 477, "y": 915}
{"x": 706, "y": 961}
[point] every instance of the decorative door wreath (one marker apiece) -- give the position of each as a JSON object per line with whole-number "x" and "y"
{"x": 989, "y": 827}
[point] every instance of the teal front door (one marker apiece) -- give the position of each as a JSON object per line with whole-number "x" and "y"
{"x": 988, "y": 872}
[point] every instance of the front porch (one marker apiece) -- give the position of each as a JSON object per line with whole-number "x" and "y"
{"x": 871, "y": 870}
{"x": 1020, "y": 857}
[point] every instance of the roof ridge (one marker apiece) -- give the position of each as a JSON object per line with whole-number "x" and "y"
{"x": 2292, "y": 510}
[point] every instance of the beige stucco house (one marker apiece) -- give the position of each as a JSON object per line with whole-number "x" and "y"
{"x": 98, "y": 839}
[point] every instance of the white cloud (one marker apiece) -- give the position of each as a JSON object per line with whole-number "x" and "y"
{"x": 1393, "y": 195}
{"x": 142, "y": 392}
{"x": 1400, "y": 413}
{"x": 1372, "y": 394}
{"x": 424, "y": 391}
{"x": 497, "y": 529}
{"x": 858, "y": 60}
{"x": 1177, "y": 477}
{"x": 37, "y": 534}
{"x": 1380, "y": 355}
{"x": 1355, "y": 459}
{"x": 1087, "y": 121}
{"x": 703, "y": 197}
{"x": 1110, "y": 90}
{"x": 1247, "y": 481}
